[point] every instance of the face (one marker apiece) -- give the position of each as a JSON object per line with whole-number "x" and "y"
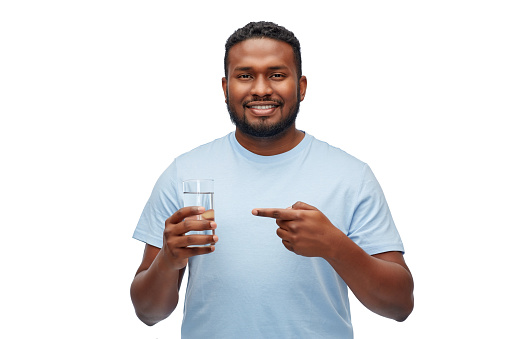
{"x": 263, "y": 91}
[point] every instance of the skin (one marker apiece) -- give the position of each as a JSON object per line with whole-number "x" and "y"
{"x": 154, "y": 290}
{"x": 382, "y": 282}
{"x": 262, "y": 72}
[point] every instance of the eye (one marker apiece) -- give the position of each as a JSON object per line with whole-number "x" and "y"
{"x": 277, "y": 76}
{"x": 244, "y": 76}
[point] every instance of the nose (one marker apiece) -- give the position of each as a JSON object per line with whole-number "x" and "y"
{"x": 261, "y": 87}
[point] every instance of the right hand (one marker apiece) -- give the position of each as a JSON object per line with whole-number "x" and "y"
{"x": 176, "y": 250}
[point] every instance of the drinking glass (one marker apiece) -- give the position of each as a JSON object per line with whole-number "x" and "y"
{"x": 200, "y": 192}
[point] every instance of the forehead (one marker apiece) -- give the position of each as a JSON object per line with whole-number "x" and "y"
{"x": 261, "y": 53}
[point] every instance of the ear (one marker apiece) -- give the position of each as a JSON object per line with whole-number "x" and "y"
{"x": 225, "y": 87}
{"x": 303, "y": 82}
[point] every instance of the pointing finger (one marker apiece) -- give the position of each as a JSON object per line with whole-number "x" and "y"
{"x": 276, "y": 213}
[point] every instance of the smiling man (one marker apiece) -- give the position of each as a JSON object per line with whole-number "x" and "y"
{"x": 297, "y": 221}
{"x": 264, "y": 88}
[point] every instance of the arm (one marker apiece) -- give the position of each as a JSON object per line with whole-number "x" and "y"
{"x": 381, "y": 282}
{"x": 154, "y": 290}
{"x": 151, "y": 276}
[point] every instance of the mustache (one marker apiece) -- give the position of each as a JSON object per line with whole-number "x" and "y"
{"x": 247, "y": 102}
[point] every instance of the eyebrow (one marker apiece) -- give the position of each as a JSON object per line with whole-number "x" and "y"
{"x": 248, "y": 68}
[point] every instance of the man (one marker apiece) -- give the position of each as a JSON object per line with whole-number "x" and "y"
{"x": 296, "y": 220}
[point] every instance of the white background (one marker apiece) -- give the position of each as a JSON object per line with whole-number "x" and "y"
{"x": 98, "y": 97}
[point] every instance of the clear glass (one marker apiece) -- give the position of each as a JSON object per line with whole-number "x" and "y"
{"x": 200, "y": 192}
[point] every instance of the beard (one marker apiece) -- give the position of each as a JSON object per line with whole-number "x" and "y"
{"x": 263, "y": 129}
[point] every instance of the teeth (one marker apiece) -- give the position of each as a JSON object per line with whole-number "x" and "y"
{"x": 263, "y": 107}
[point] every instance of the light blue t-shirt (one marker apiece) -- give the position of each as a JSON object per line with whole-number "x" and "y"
{"x": 252, "y": 286}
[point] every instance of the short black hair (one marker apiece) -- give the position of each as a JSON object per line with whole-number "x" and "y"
{"x": 264, "y": 29}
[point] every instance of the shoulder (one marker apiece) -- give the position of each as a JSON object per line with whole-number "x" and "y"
{"x": 192, "y": 158}
{"x": 335, "y": 156}
{"x": 208, "y": 150}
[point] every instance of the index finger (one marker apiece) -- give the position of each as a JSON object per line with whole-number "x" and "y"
{"x": 185, "y": 212}
{"x": 276, "y": 213}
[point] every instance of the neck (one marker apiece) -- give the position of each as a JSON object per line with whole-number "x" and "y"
{"x": 278, "y": 144}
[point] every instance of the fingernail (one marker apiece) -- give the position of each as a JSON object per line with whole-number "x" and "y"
{"x": 255, "y": 212}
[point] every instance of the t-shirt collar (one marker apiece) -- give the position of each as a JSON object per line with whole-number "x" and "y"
{"x": 271, "y": 158}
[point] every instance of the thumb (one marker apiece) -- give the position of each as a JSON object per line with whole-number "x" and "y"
{"x": 299, "y": 205}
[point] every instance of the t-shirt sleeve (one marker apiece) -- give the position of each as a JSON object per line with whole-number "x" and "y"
{"x": 372, "y": 226}
{"x": 163, "y": 202}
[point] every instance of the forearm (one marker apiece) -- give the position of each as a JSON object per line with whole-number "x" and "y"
{"x": 385, "y": 287}
{"x": 154, "y": 292}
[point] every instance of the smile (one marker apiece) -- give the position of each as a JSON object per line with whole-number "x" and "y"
{"x": 263, "y": 107}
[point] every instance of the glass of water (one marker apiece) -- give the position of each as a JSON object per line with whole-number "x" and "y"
{"x": 200, "y": 192}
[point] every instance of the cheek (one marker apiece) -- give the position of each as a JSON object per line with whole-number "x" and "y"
{"x": 287, "y": 91}
{"x": 236, "y": 94}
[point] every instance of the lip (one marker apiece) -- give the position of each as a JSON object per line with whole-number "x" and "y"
{"x": 262, "y": 108}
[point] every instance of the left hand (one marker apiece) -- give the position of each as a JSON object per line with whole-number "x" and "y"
{"x": 303, "y": 229}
